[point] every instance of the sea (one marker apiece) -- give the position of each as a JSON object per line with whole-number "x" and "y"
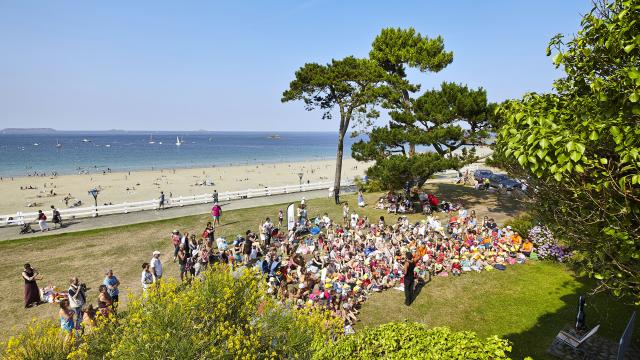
{"x": 80, "y": 152}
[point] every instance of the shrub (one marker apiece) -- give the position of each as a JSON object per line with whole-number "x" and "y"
{"x": 219, "y": 317}
{"x": 521, "y": 223}
{"x": 370, "y": 186}
{"x": 415, "y": 341}
{"x": 41, "y": 340}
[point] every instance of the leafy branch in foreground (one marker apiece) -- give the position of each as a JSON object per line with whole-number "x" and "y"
{"x": 580, "y": 146}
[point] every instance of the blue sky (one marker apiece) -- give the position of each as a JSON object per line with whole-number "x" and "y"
{"x": 187, "y": 65}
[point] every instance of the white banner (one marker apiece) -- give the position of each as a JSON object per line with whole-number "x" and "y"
{"x": 291, "y": 216}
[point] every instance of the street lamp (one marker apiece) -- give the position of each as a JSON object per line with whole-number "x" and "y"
{"x": 300, "y": 174}
{"x": 94, "y": 192}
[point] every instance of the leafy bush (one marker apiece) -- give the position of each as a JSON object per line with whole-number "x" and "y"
{"x": 219, "y": 317}
{"x": 41, "y": 340}
{"x": 522, "y": 224}
{"x": 370, "y": 186}
{"x": 415, "y": 341}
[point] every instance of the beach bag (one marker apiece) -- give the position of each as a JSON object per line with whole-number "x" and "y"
{"x": 533, "y": 256}
{"x": 499, "y": 267}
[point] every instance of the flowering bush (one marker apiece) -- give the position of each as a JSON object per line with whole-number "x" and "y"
{"x": 547, "y": 246}
{"x": 219, "y": 317}
{"x": 41, "y": 340}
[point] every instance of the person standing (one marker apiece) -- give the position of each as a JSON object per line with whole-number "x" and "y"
{"x": 175, "y": 241}
{"x": 345, "y": 213}
{"x": 77, "y": 297}
{"x": 361, "y": 202}
{"x": 31, "y": 289}
{"x": 112, "y": 283}
{"x": 66, "y": 319}
{"x": 162, "y": 200}
{"x": 215, "y": 196}
{"x": 42, "y": 221}
{"x": 267, "y": 228}
{"x": 156, "y": 266}
{"x": 55, "y": 216}
{"x": 409, "y": 267}
{"x": 280, "y": 217}
{"x": 146, "y": 278}
{"x": 216, "y": 212}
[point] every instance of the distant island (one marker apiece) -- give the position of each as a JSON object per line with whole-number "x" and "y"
{"x": 27, "y": 131}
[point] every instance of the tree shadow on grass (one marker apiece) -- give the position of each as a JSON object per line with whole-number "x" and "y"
{"x": 505, "y": 204}
{"x": 603, "y": 309}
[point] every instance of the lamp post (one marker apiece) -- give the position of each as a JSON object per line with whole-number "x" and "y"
{"x": 300, "y": 174}
{"x": 94, "y": 192}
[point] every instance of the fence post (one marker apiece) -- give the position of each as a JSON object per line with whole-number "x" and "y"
{"x": 126, "y": 208}
{"x": 180, "y": 201}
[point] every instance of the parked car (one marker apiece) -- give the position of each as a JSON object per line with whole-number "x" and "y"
{"x": 480, "y": 175}
{"x": 503, "y": 181}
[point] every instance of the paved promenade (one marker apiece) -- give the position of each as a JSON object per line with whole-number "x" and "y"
{"x": 73, "y": 225}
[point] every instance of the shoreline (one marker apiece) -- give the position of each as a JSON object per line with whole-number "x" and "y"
{"x": 62, "y": 191}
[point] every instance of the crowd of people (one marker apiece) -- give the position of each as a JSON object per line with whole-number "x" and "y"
{"x": 76, "y": 312}
{"x": 324, "y": 263}
{"x": 337, "y": 265}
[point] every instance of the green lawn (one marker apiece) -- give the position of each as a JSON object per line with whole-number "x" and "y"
{"x": 527, "y": 304}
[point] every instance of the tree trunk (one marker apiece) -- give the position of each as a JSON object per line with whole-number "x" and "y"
{"x": 336, "y": 183}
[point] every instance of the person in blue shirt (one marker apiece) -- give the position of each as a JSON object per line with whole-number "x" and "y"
{"x": 112, "y": 283}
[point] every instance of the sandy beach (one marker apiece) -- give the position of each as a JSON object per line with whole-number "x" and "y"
{"x": 118, "y": 187}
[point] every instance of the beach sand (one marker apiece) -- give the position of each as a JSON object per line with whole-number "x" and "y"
{"x": 119, "y": 187}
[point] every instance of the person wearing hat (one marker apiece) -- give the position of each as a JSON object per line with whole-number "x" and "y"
{"x": 156, "y": 266}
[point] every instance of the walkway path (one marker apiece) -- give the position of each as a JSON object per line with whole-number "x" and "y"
{"x": 11, "y": 232}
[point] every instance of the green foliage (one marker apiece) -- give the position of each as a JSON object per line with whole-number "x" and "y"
{"x": 220, "y": 317}
{"x": 395, "y": 171}
{"x": 415, "y": 341}
{"x": 580, "y": 146}
{"x": 522, "y": 224}
{"x": 432, "y": 119}
{"x": 368, "y": 187}
{"x": 351, "y": 85}
{"x": 41, "y": 340}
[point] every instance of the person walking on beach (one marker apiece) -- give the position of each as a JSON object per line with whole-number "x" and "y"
{"x": 42, "y": 221}
{"x": 216, "y": 212}
{"x": 31, "y": 290}
{"x": 161, "y": 205}
{"x": 55, "y": 216}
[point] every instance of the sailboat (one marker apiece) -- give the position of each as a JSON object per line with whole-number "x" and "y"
{"x": 151, "y": 139}
{"x": 178, "y": 142}
{"x": 58, "y": 145}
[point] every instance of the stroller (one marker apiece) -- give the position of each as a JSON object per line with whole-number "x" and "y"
{"x": 26, "y": 229}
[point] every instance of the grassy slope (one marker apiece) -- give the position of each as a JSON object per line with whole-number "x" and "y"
{"x": 527, "y": 304}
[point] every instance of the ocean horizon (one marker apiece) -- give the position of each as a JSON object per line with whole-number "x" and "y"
{"x": 73, "y": 152}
